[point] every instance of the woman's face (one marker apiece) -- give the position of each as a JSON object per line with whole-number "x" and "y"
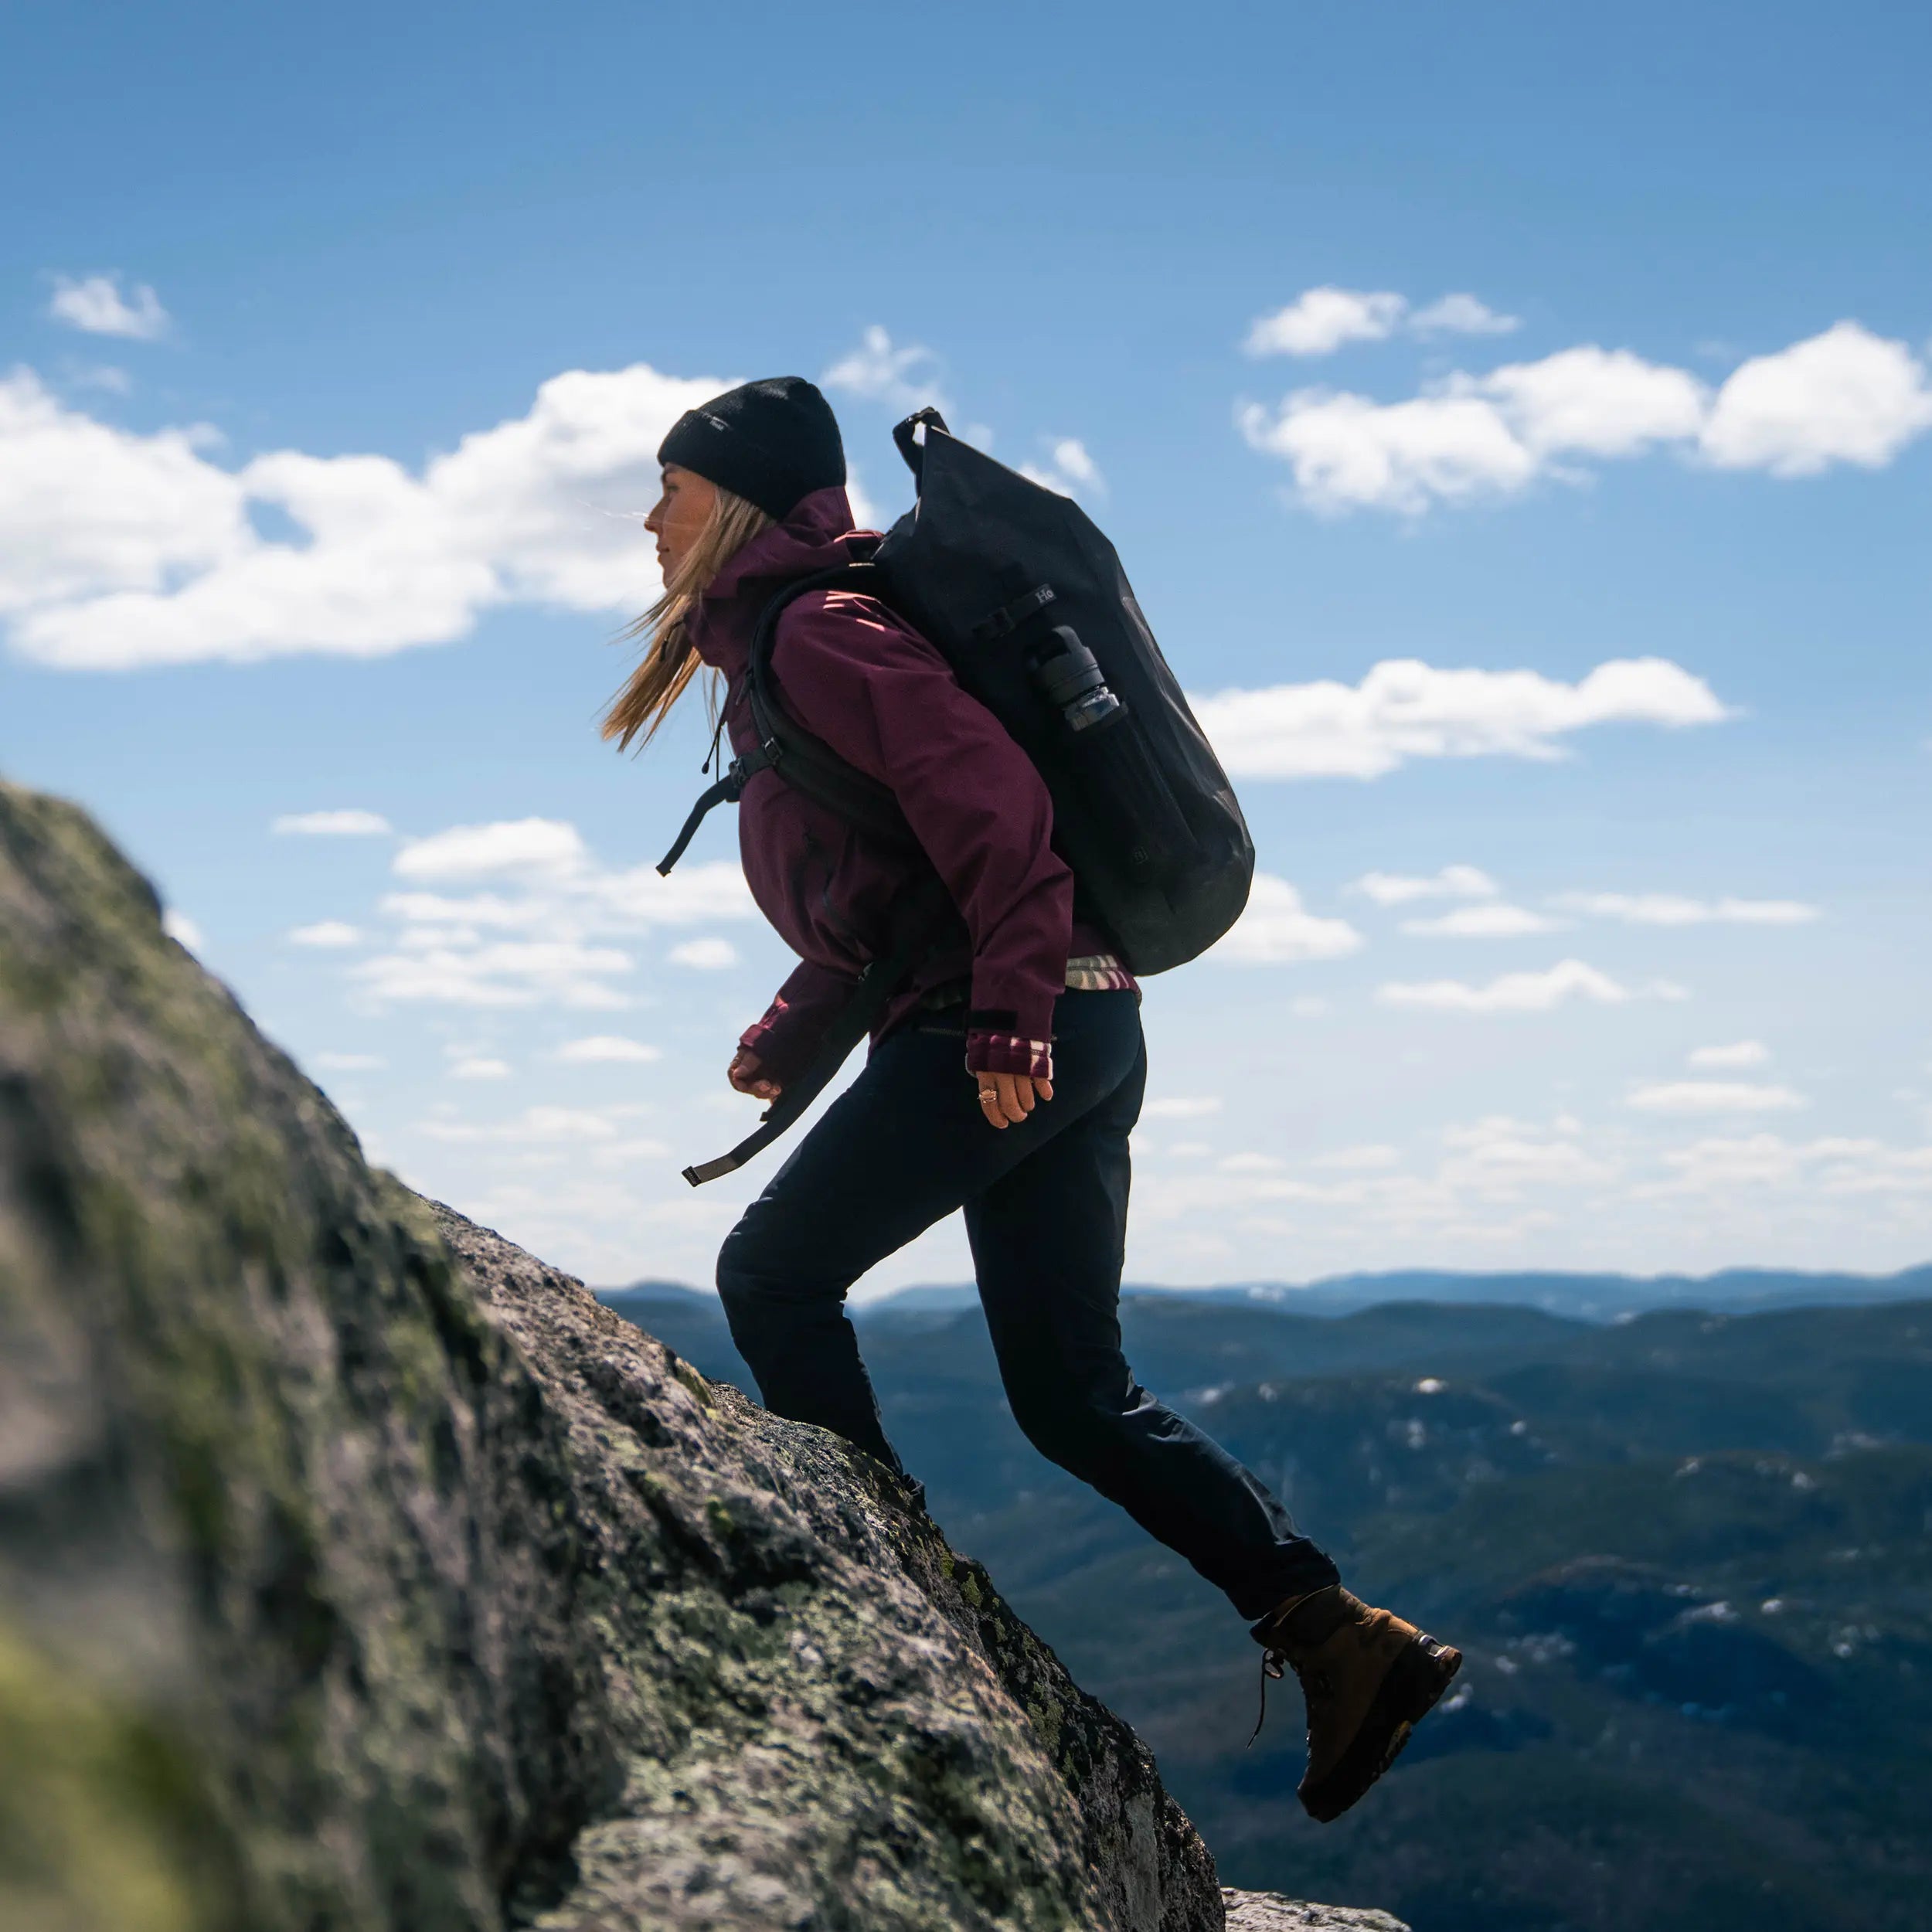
{"x": 679, "y": 516}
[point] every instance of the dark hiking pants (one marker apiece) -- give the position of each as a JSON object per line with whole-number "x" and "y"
{"x": 1046, "y": 1206}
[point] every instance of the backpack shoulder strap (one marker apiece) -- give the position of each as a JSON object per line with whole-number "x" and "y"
{"x": 811, "y": 765}
{"x": 806, "y": 762}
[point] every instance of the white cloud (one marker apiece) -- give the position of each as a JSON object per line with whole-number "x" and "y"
{"x": 86, "y": 509}
{"x": 529, "y": 846}
{"x": 1320, "y": 320}
{"x": 101, "y": 375}
{"x": 1744, "y": 1052}
{"x": 501, "y": 973}
{"x": 1497, "y": 1157}
{"x": 1845, "y": 395}
{"x": 1070, "y": 469}
{"x": 1277, "y": 929}
{"x": 1673, "y": 909}
{"x": 183, "y": 929}
{"x": 554, "y": 1151}
{"x": 1404, "y": 709}
{"x": 478, "y": 1067}
{"x": 333, "y": 824}
{"x": 1713, "y": 1096}
{"x": 537, "y": 1126}
{"x": 532, "y": 940}
{"x": 1531, "y": 992}
{"x": 906, "y": 378}
{"x": 705, "y": 955}
{"x": 1496, "y": 921}
{"x": 1493, "y": 1160}
{"x": 1347, "y": 451}
{"x": 586, "y": 894}
{"x": 1473, "y": 436}
{"x": 350, "y": 1062}
{"x": 1181, "y": 1107}
{"x": 95, "y": 305}
{"x": 1461, "y": 314}
{"x": 1250, "y": 1164}
{"x": 326, "y": 933}
{"x": 1501, "y": 1181}
{"x": 602, "y": 1049}
{"x": 1594, "y": 402}
{"x": 1525, "y": 1185}
{"x": 1069, "y": 455}
{"x": 1831, "y": 1166}
{"x": 1452, "y": 882}
{"x": 588, "y": 897}
{"x": 1361, "y": 1159}
{"x": 118, "y": 548}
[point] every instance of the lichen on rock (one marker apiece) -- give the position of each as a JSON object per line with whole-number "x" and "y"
{"x": 358, "y": 1570}
{"x": 1267, "y": 1912}
{"x": 443, "y": 1596}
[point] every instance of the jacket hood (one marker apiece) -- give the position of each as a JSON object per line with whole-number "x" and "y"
{"x": 816, "y": 534}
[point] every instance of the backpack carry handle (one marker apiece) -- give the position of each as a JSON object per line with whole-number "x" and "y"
{"x": 909, "y": 447}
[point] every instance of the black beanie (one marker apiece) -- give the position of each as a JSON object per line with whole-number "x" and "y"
{"x": 772, "y": 442}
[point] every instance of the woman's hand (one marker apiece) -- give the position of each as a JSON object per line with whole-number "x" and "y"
{"x": 743, "y": 1074}
{"x": 1008, "y": 1098}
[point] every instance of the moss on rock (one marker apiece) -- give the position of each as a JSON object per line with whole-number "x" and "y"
{"x": 105, "y": 1818}
{"x": 360, "y": 1571}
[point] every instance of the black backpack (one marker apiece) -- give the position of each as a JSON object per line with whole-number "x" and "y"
{"x": 1027, "y": 601}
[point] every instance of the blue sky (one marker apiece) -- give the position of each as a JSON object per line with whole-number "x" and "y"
{"x": 1567, "y": 638}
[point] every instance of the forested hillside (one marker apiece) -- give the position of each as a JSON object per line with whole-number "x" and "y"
{"x": 1689, "y": 1556}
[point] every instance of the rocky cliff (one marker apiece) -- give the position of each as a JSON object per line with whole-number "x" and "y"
{"x": 358, "y": 1570}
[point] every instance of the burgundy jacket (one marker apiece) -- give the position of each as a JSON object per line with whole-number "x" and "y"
{"x": 858, "y": 677}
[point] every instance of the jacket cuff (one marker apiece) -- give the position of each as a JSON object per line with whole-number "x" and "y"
{"x": 1021, "y": 1007}
{"x": 988, "y": 1053}
{"x": 784, "y": 1053}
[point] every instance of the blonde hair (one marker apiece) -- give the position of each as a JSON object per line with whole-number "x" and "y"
{"x": 670, "y": 660}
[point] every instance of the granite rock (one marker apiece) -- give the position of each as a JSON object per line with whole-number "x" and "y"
{"x": 357, "y": 1569}
{"x": 1269, "y": 1912}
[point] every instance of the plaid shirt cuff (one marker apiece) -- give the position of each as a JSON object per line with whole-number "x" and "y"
{"x": 1008, "y": 1053}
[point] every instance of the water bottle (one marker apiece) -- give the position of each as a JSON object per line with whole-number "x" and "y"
{"x": 1110, "y": 766}
{"x": 1069, "y": 675}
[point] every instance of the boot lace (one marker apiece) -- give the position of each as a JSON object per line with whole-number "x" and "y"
{"x": 1274, "y": 1663}
{"x": 1317, "y": 1686}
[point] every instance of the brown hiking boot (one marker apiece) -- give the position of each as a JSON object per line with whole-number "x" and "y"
{"x": 1368, "y": 1679}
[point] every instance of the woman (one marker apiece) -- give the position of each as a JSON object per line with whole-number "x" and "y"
{"x": 1004, "y": 1081}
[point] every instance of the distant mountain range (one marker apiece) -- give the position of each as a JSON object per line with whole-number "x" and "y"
{"x": 1583, "y": 1298}
{"x": 1687, "y": 1549}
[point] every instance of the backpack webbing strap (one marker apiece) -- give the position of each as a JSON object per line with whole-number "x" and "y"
{"x": 927, "y": 911}
{"x": 726, "y": 791}
{"x": 809, "y": 765}
{"x": 1008, "y": 619}
{"x": 805, "y": 762}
